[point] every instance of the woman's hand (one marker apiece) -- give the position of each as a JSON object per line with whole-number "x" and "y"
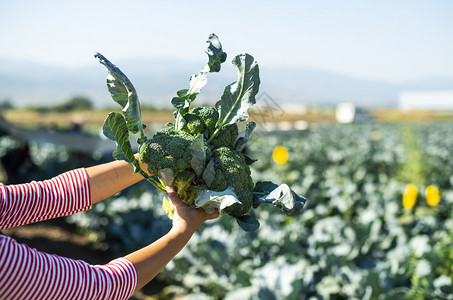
{"x": 150, "y": 260}
{"x": 187, "y": 218}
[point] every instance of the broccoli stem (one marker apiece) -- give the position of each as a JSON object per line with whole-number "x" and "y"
{"x": 158, "y": 185}
{"x": 214, "y": 134}
{"x": 259, "y": 193}
{"x": 178, "y": 120}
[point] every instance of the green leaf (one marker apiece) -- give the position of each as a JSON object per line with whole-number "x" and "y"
{"x": 242, "y": 141}
{"x": 285, "y": 198}
{"x": 118, "y": 84}
{"x": 215, "y": 53}
{"x": 198, "y": 155}
{"x": 185, "y": 97}
{"x": 249, "y": 160}
{"x": 123, "y": 92}
{"x": 281, "y": 196}
{"x": 167, "y": 176}
{"x": 115, "y": 128}
{"x": 239, "y": 96}
{"x": 215, "y": 57}
{"x": 209, "y": 173}
{"x": 180, "y": 101}
{"x": 196, "y": 82}
{"x": 261, "y": 190}
{"x": 248, "y": 223}
{"x": 179, "y": 119}
{"x": 211, "y": 200}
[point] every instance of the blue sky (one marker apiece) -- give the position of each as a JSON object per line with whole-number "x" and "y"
{"x": 387, "y": 40}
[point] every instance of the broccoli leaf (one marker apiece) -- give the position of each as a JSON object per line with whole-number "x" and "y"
{"x": 167, "y": 176}
{"x": 210, "y": 200}
{"x": 239, "y": 96}
{"x": 242, "y": 141}
{"x": 123, "y": 92}
{"x": 185, "y": 97}
{"x": 179, "y": 119}
{"x": 249, "y": 160}
{"x": 215, "y": 53}
{"x": 116, "y": 126}
{"x": 216, "y": 56}
{"x": 115, "y": 129}
{"x": 198, "y": 155}
{"x": 168, "y": 207}
{"x": 209, "y": 173}
{"x": 180, "y": 102}
{"x": 281, "y": 196}
{"x": 263, "y": 188}
{"x": 248, "y": 223}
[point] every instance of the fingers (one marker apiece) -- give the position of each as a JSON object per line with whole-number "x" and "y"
{"x": 210, "y": 216}
{"x": 177, "y": 202}
{"x": 174, "y": 198}
{"x": 214, "y": 215}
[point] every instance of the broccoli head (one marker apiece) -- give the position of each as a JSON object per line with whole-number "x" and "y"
{"x": 172, "y": 149}
{"x": 194, "y": 125}
{"x": 199, "y": 119}
{"x": 167, "y": 149}
{"x": 231, "y": 170}
{"x": 208, "y": 115}
{"x": 226, "y": 136}
{"x": 187, "y": 186}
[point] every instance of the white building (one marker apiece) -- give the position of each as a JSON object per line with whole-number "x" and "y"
{"x": 430, "y": 100}
{"x": 347, "y": 112}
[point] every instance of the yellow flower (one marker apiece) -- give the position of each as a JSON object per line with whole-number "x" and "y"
{"x": 432, "y": 195}
{"x": 410, "y": 196}
{"x": 376, "y": 135}
{"x": 280, "y": 154}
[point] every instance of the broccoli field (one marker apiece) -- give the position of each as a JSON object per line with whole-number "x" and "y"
{"x": 377, "y": 224}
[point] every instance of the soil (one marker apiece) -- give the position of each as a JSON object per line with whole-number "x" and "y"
{"x": 58, "y": 237}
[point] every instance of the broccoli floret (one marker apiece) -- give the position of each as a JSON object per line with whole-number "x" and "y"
{"x": 200, "y": 119}
{"x": 186, "y": 185}
{"x": 226, "y": 136}
{"x": 167, "y": 149}
{"x": 231, "y": 170}
{"x": 194, "y": 125}
{"x": 208, "y": 115}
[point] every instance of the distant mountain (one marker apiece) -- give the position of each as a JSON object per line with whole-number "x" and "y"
{"x": 157, "y": 80}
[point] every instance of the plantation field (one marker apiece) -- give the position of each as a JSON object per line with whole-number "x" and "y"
{"x": 94, "y": 119}
{"x": 91, "y": 119}
{"x": 377, "y": 224}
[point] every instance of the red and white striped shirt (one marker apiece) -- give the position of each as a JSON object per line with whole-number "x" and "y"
{"x": 26, "y": 273}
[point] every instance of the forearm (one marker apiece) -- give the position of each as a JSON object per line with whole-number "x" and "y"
{"x": 26, "y": 273}
{"x": 110, "y": 178}
{"x": 150, "y": 260}
{"x": 26, "y": 203}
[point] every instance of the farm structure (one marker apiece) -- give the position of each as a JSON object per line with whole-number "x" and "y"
{"x": 430, "y": 100}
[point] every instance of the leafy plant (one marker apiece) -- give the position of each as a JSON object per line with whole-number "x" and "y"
{"x": 200, "y": 154}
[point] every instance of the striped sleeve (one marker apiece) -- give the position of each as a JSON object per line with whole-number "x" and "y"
{"x": 26, "y": 273}
{"x": 62, "y": 195}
